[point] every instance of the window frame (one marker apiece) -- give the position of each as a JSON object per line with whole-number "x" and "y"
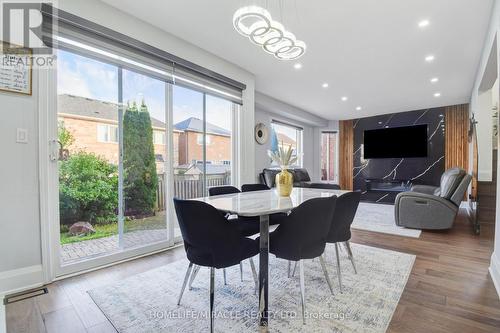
{"x": 299, "y": 137}
{"x": 163, "y": 135}
{"x": 335, "y": 157}
{"x": 108, "y": 132}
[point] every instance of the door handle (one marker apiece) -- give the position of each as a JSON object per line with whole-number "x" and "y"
{"x": 53, "y": 150}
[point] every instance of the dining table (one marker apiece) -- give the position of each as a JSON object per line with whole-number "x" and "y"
{"x": 263, "y": 204}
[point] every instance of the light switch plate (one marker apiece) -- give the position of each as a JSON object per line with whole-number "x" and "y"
{"x": 22, "y": 135}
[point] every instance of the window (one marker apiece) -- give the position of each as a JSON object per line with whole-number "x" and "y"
{"x": 328, "y": 156}
{"x": 107, "y": 133}
{"x": 199, "y": 139}
{"x": 159, "y": 137}
{"x": 286, "y": 136}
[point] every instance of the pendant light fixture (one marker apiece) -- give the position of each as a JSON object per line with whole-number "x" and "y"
{"x": 257, "y": 24}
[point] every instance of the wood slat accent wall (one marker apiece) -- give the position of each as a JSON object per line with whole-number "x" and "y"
{"x": 456, "y": 137}
{"x": 346, "y": 151}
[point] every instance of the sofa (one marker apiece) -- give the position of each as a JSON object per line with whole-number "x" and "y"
{"x": 301, "y": 178}
{"x": 429, "y": 207}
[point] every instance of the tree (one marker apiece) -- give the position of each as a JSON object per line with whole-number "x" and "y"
{"x": 139, "y": 164}
{"x": 65, "y": 137}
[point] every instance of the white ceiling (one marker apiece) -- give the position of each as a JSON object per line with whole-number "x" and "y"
{"x": 371, "y": 51}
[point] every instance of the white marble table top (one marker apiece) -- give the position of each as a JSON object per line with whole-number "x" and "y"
{"x": 265, "y": 202}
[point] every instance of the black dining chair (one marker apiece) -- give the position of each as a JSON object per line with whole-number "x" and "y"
{"x": 340, "y": 230}
{"x": 303, "y": 236}
{"x": 248, "y": 226}
{"x": 211, "y": 242}
{"x": 220, "y": 190}
{"x": 254, "y": 187}
{"x": 324, "y": 186}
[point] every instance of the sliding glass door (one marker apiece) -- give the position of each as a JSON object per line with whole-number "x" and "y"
{"x": 144, "y": 160}
{"x": 89, "y": 154}
{"x": 128, "y": 143}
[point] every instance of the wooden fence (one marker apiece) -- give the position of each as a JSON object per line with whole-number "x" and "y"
{"x": 187, "y": 187}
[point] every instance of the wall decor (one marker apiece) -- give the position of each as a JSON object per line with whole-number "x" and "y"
{"x": 15, "y": 69}
{"x": 261, "y": 134}
{"x": 380, "y": 180}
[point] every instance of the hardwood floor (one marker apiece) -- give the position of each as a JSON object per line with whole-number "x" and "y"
{"x": 449, "y": 289}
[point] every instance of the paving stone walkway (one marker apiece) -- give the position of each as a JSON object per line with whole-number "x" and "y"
{"x": 74, "y": 252}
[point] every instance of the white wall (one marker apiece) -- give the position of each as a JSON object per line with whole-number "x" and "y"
{"x": 267, "y": 109}
{"x": 20, "y": 263}
{"x": 489, "y": 43}
{"x": 483, "y": 114}
{"x": 19, "y": 209}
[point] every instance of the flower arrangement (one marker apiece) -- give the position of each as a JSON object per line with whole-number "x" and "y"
{"x": 283, "y": 156}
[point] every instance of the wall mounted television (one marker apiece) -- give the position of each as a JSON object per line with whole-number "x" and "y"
{"x": 396, "y": 142}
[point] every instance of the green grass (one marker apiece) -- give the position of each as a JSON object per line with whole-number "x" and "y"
{"x": 106, "y": 230}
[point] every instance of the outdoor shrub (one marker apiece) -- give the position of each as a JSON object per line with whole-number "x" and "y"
{"x": 88, "y": 189}
{"x": 139, "y": 163}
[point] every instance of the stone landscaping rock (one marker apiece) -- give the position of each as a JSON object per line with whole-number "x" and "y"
{"x": 81, "y": 228}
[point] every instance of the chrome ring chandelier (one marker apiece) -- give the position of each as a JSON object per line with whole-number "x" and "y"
{"x": 257, "y": 24}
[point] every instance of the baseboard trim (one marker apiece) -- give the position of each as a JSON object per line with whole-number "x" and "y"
{"x": 495, "y": 272}
{"x": 21, "y": 279}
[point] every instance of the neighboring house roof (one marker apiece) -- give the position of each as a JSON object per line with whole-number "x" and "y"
{"x": 212, "y": 169}
{"x": 93, "y": 108}
{"x": 196, "y": 125}
{"x": 197, "y": 169}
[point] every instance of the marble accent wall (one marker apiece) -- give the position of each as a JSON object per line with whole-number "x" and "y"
{"x": 426, "y": 170}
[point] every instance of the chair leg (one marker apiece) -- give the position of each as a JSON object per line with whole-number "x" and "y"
{"x": 241, "y": 271}
{"x": 289, "y": 268}
{"x": 255, "y": 278}
{"x": 224, "y": 272}
{"x": 212, "y": 296}
{"x": 325, "y": 271}
{"x": 294, "y": 267}
{"x": 351, "y": 257}
{"x": 188, "y": 272}
{"x": 302, "y": 291}
{"x": 196, "y": 269}
{"x": 338, "y": 266}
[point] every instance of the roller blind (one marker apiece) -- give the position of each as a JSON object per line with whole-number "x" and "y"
{"x": 277, "y": 122}
{"x": 70, "y": 32}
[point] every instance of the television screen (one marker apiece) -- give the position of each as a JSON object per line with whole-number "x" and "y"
{"x": 397, "y": 142}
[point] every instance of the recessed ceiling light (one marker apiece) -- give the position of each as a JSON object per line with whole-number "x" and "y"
{"x": 429, "y": 58}
{"x": 423, "y": 23}
{"x": 434, "y": 80}
{"x": 297, "y": 65}
{"x": 344, "y": 99}
{"x": 325, "y": 85}
{"x": 358, "y": 108}
{"x": 437, "y": 94}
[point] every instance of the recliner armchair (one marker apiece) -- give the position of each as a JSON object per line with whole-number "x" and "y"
{"x": 429, "y": 207}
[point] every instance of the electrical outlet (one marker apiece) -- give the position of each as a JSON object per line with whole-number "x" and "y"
{"x": 22, "y": 135}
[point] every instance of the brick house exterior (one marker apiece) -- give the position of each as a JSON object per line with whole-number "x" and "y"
{"x": 191, "y": 142}
{"x": 94, "y": 127}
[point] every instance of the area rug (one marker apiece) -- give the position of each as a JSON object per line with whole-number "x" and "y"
{"x": 147, "y": 302}
{"x": 380, "y": 218}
